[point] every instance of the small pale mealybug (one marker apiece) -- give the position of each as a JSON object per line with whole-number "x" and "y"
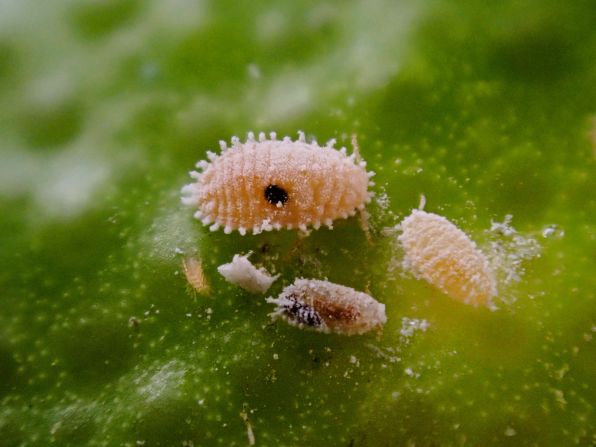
{"x": 439, "y": 252}
{"x": 327, "y": 307}
{"x": 193, "y": 270}
{"x": 243, "y": 273}
{"x": 268, "y": 184}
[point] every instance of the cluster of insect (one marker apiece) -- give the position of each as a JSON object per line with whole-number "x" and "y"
{"x": 265, "y": 184}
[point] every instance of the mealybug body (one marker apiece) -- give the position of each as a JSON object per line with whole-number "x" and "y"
{"x": 443, "y": 255}
{"x": 327, "y": 307}
{"x": 268, "y": 184}
{"x": 193, "y": 270}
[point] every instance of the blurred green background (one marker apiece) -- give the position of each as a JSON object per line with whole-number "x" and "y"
{"x": 487, "y": 109}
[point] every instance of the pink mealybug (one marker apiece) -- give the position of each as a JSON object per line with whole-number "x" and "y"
{"x": 442, "y": 254}
{"x": 268, "y": 184}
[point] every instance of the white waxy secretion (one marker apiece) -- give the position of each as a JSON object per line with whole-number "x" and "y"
{"x": 327, "y": 307}
{"x": 243, "y": 273}
{"x": 268, "y": 184}
{"x": 442, "y": 254}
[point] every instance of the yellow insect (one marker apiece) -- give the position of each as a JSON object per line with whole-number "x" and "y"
{"x": 193, "y": 270}
{"x": 270, "y": 184}
{"x": 442, "y": 254}
{"x": 324, "y": 306}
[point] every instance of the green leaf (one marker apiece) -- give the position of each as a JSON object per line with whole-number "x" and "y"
{"x": 487, "y": 110}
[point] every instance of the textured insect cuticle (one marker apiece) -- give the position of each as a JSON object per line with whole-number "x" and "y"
{"x": 443, "y": 255}
{"x": 328, "y": 307}
{"x": 320, "y": 184}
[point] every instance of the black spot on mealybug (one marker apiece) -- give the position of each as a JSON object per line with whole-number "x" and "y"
{"x": 275, "y": 194}
{"x": 302, "y": 313}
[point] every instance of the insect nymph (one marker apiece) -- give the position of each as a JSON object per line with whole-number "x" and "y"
{"x": 270, "y": 184}
{"x": 442, "y": 254}
{"x": 324, "y": 306}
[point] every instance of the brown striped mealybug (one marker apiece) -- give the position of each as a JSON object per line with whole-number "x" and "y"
{"x": 327, "y": 307}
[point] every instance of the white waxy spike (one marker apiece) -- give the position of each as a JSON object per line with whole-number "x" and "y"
{"x": 422, "y": 202}
{"x": 194, "y": 174}
{"x": 302, "y": 227}
{"x": 223, "y": 145}
{"x": 251, "y": 137}
{"x": 198, "y": 215}
{"x": 235, "y": 141}
{"x": 371, "y": 174}
{"x": 256, "y": 229}
{"x": 331, "y": 143}
{"x": 344, "y": 151}
{"x": 227, "y": 229}
{"x": 329, "y": 223}
{"x": 273, "y": 136}
{"x": 301, "y": 136}
{"x": 371, "y": 183}
{"x": 242, "y": 231}
{"x": 202, "y": 164}
{"x": 212, "y": 156}
{"x": 262, "y": 137}
{"x": 188, "y": 189}
{"x": 287, "y": 139}
{"x": 188, "y": 201}
{"x": 207, "y": 220}
{"x": 362, "y": 164}
{"x": 316, "y": 224}
{"x": 214, "y": 227}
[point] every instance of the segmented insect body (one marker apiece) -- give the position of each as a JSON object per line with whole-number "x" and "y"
{"x": 193, "y": 270}
{"x": 327, "y": 307}
{"x": 272, "y": 184}
{"x": 442, "y": 254}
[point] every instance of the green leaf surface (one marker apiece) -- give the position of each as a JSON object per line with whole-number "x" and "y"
{"x": 486, "y": 109}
